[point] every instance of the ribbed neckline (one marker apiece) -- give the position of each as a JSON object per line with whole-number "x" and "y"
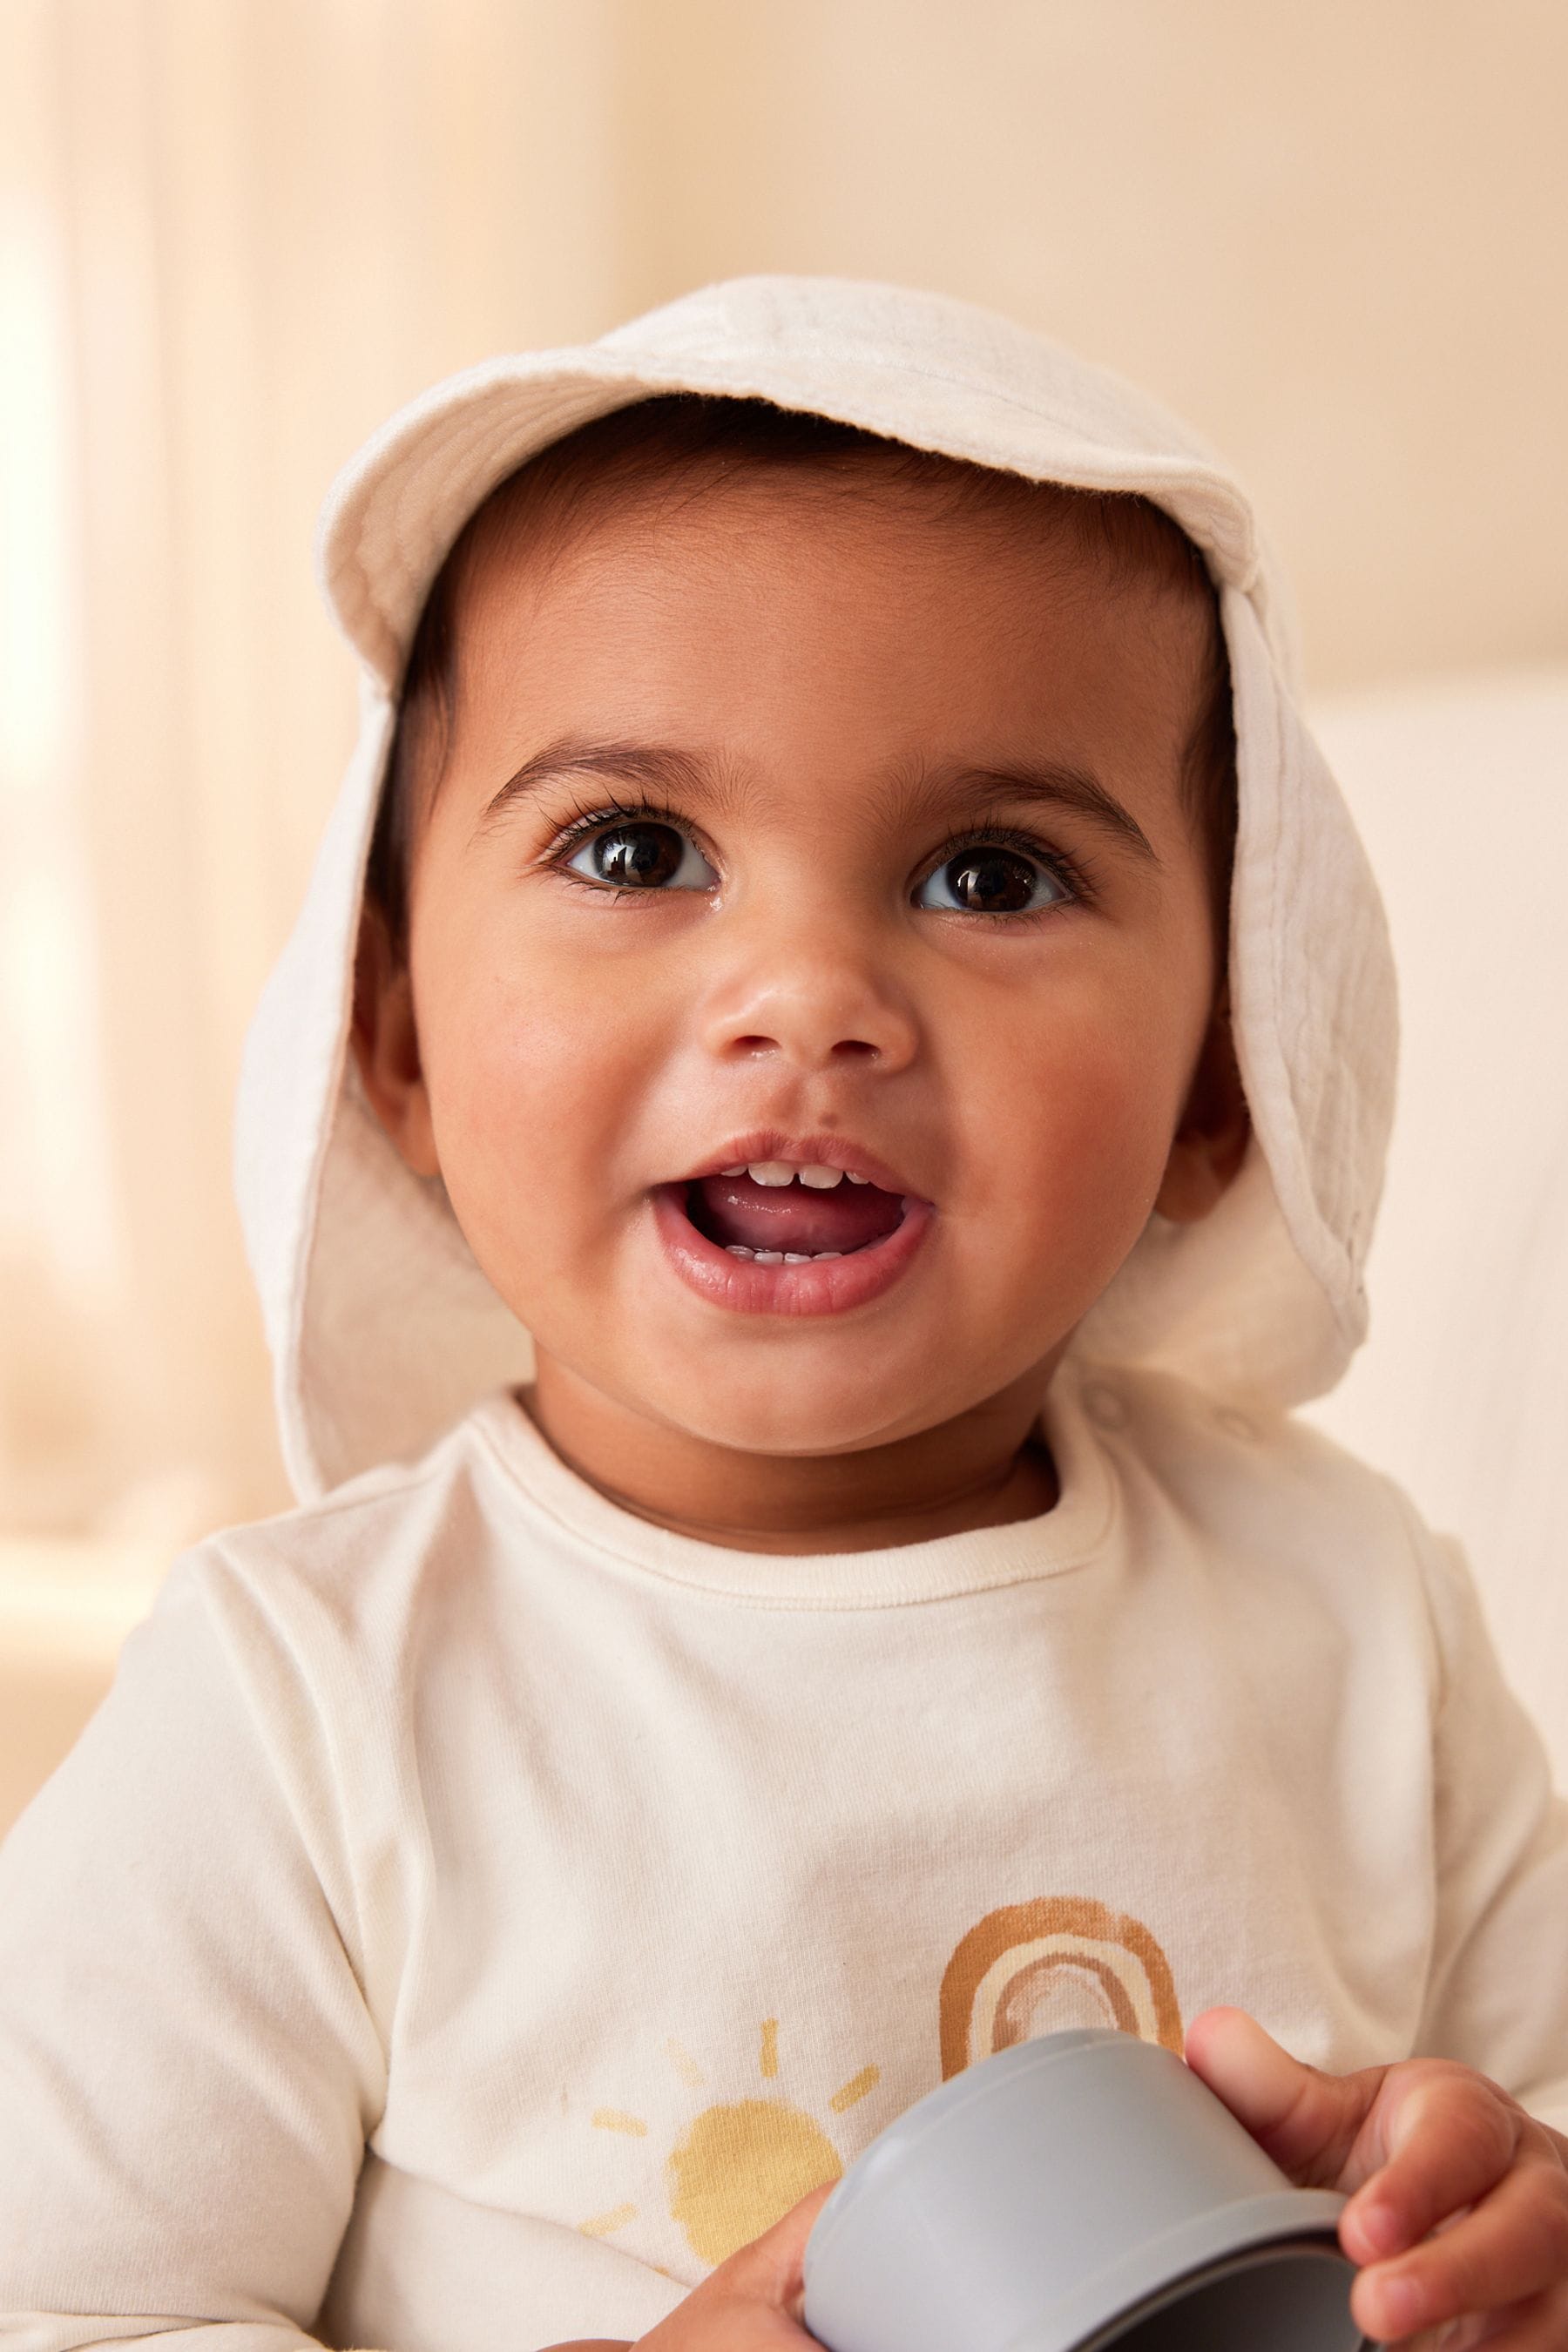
{"x": 1069, "y": 1535}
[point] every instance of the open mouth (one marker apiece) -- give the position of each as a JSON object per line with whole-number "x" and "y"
{"x": 789, "y": 1236}
{"x": 773, "y": 1212}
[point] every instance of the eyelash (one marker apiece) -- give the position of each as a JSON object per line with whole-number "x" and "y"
{"x": 1075, "y": 874}
{"x": 586, "y": 821}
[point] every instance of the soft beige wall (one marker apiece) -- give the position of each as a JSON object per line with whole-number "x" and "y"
{"x": 1333, "y": 237}
{"x": 236, "y": 232}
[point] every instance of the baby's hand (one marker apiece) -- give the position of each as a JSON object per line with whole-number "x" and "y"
{"x": 1422, "y": 2148}
{"x": 751, "y": 2303}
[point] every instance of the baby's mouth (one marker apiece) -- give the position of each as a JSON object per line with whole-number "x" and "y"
{"x": 786, "y": 1213}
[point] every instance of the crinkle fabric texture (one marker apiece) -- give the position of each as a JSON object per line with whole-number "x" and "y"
{"x": 382, "y": 1329}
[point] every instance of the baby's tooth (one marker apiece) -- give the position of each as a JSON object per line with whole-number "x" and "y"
{"x": 739, "y": 1171}
{"x": 770, "y": 1171}
{"x": 797, "y": 1257}
{"x": 821, "y": 1180}
{"x": 769, "y": 1257}
{"x": 739, "y": 1249}
{"x": 857, "y": 1179}
{"x": 821, "y": 1254}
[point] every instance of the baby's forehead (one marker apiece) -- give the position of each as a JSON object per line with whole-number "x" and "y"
{"x": 712, "y": 464}
{"x": 713, "y": 589}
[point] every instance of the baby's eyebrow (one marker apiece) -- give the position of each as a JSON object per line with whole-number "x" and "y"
{"x": 656, "y": 764}
{"x": 931, "y": 794}
{"x": 1056, "y": 786}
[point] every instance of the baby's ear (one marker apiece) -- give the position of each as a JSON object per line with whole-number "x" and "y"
{"x": 386, "y": 1043}
{"x": 1210, "y": 1143}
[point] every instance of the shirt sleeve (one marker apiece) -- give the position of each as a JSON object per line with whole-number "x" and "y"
{"x": 1498, "y": 1989}
{"x": 188, "y": 2066}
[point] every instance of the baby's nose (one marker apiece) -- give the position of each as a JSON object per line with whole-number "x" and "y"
{"x": 817, "y": 1008}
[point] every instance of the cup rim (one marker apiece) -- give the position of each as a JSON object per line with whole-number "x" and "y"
{"x": 1060, "y": 2330}
{"x": 1156, "y": 2269}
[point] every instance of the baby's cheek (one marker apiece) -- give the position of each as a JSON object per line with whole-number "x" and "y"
{"x": 1083, "y": 1167}
{"x": 545, "y": 1082}
{"x": 503, "y": 1106}
{"x": 1097, "y": 1117}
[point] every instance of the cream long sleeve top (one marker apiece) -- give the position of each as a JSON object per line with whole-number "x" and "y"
{"x": 475, "y": 1911}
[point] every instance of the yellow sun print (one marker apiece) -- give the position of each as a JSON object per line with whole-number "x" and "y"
{"x": 738, "y": 2167}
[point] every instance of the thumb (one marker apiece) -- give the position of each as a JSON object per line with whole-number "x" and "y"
{"x": 1306, "y": 2121}
{"x": 771, "y": 2268}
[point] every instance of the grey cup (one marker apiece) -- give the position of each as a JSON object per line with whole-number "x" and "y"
{"x": 1072, "y": 2194}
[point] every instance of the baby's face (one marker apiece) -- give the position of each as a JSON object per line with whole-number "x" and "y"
{"x": 791, "y": 832}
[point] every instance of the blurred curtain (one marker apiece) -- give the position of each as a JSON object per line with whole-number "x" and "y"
{"x": 232, "y": 233}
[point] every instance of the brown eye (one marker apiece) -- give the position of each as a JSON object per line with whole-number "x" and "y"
{"x": 637, "y": 856}
{"x": 991, "y": 881}
{"x": 642, "y": 856}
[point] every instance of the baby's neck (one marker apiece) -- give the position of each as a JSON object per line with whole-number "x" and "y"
{"x": 985, "y": 1468}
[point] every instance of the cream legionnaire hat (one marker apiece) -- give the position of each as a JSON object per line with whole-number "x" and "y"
{"x": 382, "y": 1329}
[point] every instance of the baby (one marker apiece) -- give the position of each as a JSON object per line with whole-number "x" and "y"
{"x": 836, "y": 932}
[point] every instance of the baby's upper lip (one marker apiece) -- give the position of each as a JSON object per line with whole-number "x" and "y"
{"x": 801, "y": 1151}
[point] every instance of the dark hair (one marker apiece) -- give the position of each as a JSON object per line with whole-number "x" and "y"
{"x": 641, "y": 446}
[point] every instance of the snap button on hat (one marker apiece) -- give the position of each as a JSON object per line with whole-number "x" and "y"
{"x": 1104, "y": 1406}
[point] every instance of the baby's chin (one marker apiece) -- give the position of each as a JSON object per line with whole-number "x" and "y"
{"x": 809, "y": 1413}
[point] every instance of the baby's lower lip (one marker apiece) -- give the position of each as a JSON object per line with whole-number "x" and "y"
{"x": 823, "y": 1286}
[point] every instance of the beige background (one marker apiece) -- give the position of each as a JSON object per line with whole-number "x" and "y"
{"x": 234, "y": 232}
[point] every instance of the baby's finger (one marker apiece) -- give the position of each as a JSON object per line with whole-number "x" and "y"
{"x": 1539, "y": 2325}
{"x": 752, "y": 2301}
{"x": 771, "y": 2269}
{"x": 1451, "y": 2136}
{"x": 1306, "y": 2121}
{"x": 1513, "y": 2248}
